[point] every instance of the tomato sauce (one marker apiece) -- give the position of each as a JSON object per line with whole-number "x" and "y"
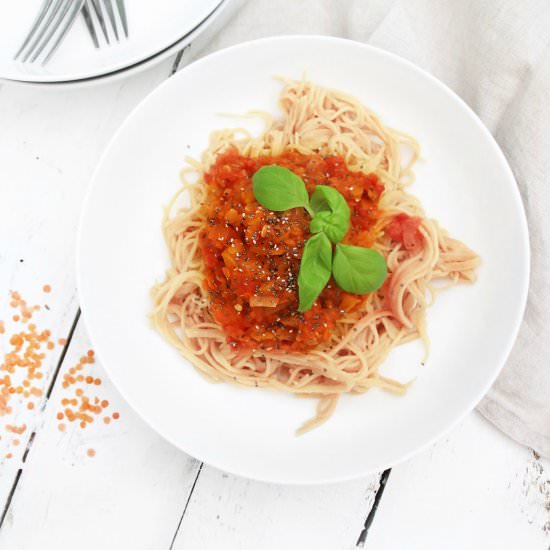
{"x": 252, "y": 255}
{"x": 404, "y": 229}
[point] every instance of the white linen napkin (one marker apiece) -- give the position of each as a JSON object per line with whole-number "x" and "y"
{"x": 496, "y": 55}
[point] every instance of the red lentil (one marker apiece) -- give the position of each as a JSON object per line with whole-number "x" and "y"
{"x": 28, "y": 349}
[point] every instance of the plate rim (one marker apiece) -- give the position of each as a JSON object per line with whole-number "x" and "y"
{"x": 522, "y": 292}
{"x": 49, "y": 79}
{"x": 179, "y": 46}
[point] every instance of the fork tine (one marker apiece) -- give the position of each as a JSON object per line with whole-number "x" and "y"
{"x": 70, "y": 19}
{"x": 43, "y": 29}
{"x": 109, "y": 7}
{"x": 122, "y": 13}
{"x": 86, "y": 13}
{"x": 99, "y": 14}
{"x": 34, "y": 27}
{"x": 51, "y": 29}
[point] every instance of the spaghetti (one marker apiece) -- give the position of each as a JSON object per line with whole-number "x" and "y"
{"x": 318, "y": 126}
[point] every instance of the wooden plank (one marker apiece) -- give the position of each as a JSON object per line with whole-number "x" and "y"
{"x": 230, "y": 512}
{"x": 129, "y": 495}
{"x": 49, "y": 145}
{"x": 477, "y": 484}
{"x": 474, "y": 489}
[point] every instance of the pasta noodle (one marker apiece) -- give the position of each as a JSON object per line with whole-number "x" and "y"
{"x": 325, "y": 122}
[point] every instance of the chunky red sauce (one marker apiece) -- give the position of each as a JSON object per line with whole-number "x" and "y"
{"x": 404, "y": 229}
{"x": 252, "y": 255}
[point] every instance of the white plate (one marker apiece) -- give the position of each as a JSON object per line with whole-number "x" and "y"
{"x": 464, "y": 182}
{"x": 188, "y": 45}
{"x": 154, "y": 26}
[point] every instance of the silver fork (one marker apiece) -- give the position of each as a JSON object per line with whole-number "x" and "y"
{"x": 51, "y": 25}
{"x": 97, "y": 12}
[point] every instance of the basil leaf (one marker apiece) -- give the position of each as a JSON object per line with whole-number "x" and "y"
{"x": 358, "y": 270}
{"x": 315, "y": 269}
{"x": 319, "y": 222}
{"x": 326, "y": 222}
{"x": 332, "y": 213}
{"x": 277, "y": 188}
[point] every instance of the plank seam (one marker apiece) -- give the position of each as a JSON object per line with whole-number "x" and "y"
{"x": 61, "y": 358}
{"x": 177, "y": 61}
{"x": 28, "y": 447}
{"x": 186, "y": 505}
{"x": 370, "y": 518}
{"x": 10, "y": 496}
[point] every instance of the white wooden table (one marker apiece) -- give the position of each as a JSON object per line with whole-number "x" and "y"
{"x": 475, "y": 489}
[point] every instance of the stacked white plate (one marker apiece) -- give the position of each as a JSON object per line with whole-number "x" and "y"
{"x": 157, "y": 30}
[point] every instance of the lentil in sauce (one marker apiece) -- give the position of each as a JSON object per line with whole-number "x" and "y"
{"x": 252, "y": 255}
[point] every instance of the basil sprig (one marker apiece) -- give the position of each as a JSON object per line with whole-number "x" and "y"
{"x": 355, "y": 269}
{"x": 332, "y": 213}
